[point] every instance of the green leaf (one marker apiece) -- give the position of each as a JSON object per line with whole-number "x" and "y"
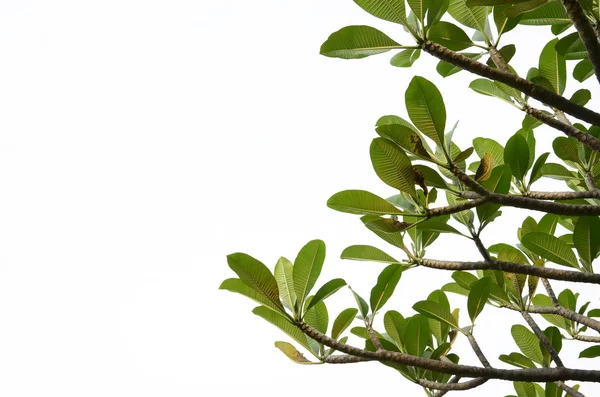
{"x": 552, "y": 390}
{"x": 503, "y": 23}
{"x": 553, "y": 67}
{"x": 386, "y": 283}
{"x": 355, "y": 42}
{"x": 257, "y": 276}
{"x": 464, "y": 279}
{"x": 571, "y": 47}
{"x": 550, "y": 13}
{"x": 285, "y": 282}
{"x": 527, "y": 342}
{"x": 436, "y": 10}
{"x": 524, "y": 389}
{"x": 507, "y": 52}
{"x": 550, "y": 248}
{"x": 419, "y": 8}
{"x": 489, "y": 88}
{"x": 426, "y": 108}
{"x": 437, "y": 225}
{"x": 487, "y": 145}
{"x": 283, "y": 324}
{"x": 432, "y": 178}
{"x": 556, "y": 171}
{"x": 362, "y": 304}
{"x": 388, "y": 10}
{"x": 555, "y": 338}
{"x": 237, "y": 285}
{"x": 292, "y": 353}
{"x": 475, "y": 17}
{"x": 480, "y": 291}
{"x": 317, "y": 316}
{"x": 590, "y": 352}
{"x": 406, "y": 58}
{"x": 435, "y": 311}
{"x": 536, "y": 171}
{"x": 450, "y": 36}
{"x": 446, "y": 69}
{"x": 361, "y": 202}
{"x": 516, "y": 155}
{"x": 392, "y": 166}
{"x": 586, "y": 238}
{"x": 343, "y": 321}
{"x": 307, "y": 267}
{"x": 567, "y": 149}
{"x": 417, "y": 335}
{"x": 394, "y": 239}
{"x": 581, "y": 97}
{"x": 328, "y": 289}
{"x": 518, "y": 360}
{"x": 475, "y": 3}
{"x": 529, "y": 136}
{"x": 498, "y": 182}
{"x": 407, "y": 137}
{"x": 395, "y": 326}
{"x": 543, "y": 300}
{"x": 367, "y": 253}
{"x": 583, "y": 70}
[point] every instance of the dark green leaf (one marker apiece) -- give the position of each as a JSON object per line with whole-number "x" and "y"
{"x": 550, "y": 248}
{"x": 386, "y": 283}
{"x": 586, "y": 238}
{"x": 237, "y": 285}
{"x": 480, "y": 291}
{"x": 389, "y": 10}
{"x": 328, "y": 289}
{"x": 426, "y": 108}
{"x": 355, "y": 42}
{"x": 361, "y": 202}
{"x": 367, "y": 253}
{"x": 450, "y": 36}
{"x": 405, "y": 58}
{"x": 516, "y": 155}
{"x": 392, "y": 165}
{"x": 307, "y": 267}
{"x": 590, "y": 352}
{"x": 343, "y": 321}
{"x": 528, "y": 343}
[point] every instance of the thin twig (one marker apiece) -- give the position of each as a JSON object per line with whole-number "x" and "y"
{"x": 563, "y": 312}
{"x": 345, "y": 359}
{"x": 550, "y": 292}
{"x": 475, "y": 346}
{"x": 569, "y": 390}
{"x": 587, "y": 338}
{"x": 470, "y": 384}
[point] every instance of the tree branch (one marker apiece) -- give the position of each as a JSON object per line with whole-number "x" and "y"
{"x": 528, "y": 375}
{"x": 525, "y": 86}
{"x": 563, "y": 312}
{"x": 475, "y": 346}
{"x": 586, "y": 33}
{"x": 587, "y": 338}
{"x": 569, "y": 390}
{"x": 345, "y": 359}
{"x": 543, "y": 339}
{"x": 550, "y": 292}
{"x": 452, "y": 209}
{"x": 510, "y": 267}
{"x": 563, "y": 195}
{"x": 470, "y": 384}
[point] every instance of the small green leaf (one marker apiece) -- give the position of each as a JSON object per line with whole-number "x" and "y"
{"x": 450, "y": 36}
{"x": 386, "y": 283}
{"x": 480, "y": 291}
{"x": 426, "y": 108}
{"x": 516, "y": 155}
{"x": 343, "y": 321}
{"x": 238, "y": 286}
{"x": 317, "y": 316}
{"x": 257, "y": 276}
{"x": 392, "y": 166}
{"x": 285, "y": 283}
{"x": 361, "y": 202}
{"x": 435, "y": 311}
{"x": 571, "y": 47}
{"x": 283, "y": 324}
{"x": 550, "y": 248}
{"x": 307, "y": 267}
{"x": 417, "y": 335}
{"x": 395, "y": 325}
{"x": 405, "y": 58}
{"x": 527, "y": 342}
{"x": 489, "y": 88}
{"x": 362, "y": 304}
{"x": 517, "y": 359}
{"x": 583, "y": 70}
{"x": 355, "y": 42}
{"x": 536, "y": 170}
{"x": 586, "y": 238}
{"x": 553, "y": 67}
{"x": 367, "y": 253}
{"x": 328, "y": 289}
{"x": 389, "y": 10}
{"x": 292, "y": 353}
{"x": 556, "y": 171}
{"x": 590, "y": 352}
{"x": 581, "y": 97}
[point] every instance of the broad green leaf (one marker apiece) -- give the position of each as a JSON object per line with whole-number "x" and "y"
{"x": 387, "y": 225}
{"x": 317, "y": 316}
{"x": 475, "y": 17}
{"x": 583, "y": 70}
{"x": 406, "y": 137}
{"x": 437, "y": 225}
{"x": 567, "y": 149}
{"x": 435, "y": 311}
{"x": 392, "y": 166}
{"x": 432, "y": 178}
{"x": 529, "y": 136}
{"x": 552, "y": 390}
{"x": 283, "y": 324}
{"x": 518, "y": 360}
{"x": 395, "y": 325}
{"x": 571, "y": 47}
{"x": 524, "y": 389}
{"x": 503, "y": 23}
{"x": 417, "y": 335}
{"x": 489, "y": 88}
{"x": 556, "y": 171}
{"x": 527, "y": 342}
{"x": 328, "y": 289}
{"x": 426, "y": 108}
{"x": 553, "y": 67}
{"x": 480, "y": 291}
{"x": 555, "y": 338}
{"x": 419, "y": 8}
{"x": 456, "y": 289}
{"x": 487, "y": 145}
{"x": 343, "y": 321}
{"x": 581, "y": 97}
{"x": 550, "y": 13}
{"x": 386, "y": 283}
{"x": 355, "y": 42}
{"x": 543, "y": 300}
{"x": 256, "y": 276}
{"x": 568, "y": 299}
{"x": 590, "y": 352}
{"x": 450, "y": 36}
{"x": 285, "y": 282}
{"x": 367, "y": 253}
{"x": 389, "y": 10}
{"x": 536, "y": 170}
{"x": 586, "y": 237}
{"x": 361, "y": 202}
{"x": 237, "y": 285}
{"x": 516, "y": 155}
{"x": 292, "y": 353}
{"x": 394, "y": 239}
{"x": 550, "y": 248}
{"x": 464, "y": 279}
{"x": 436, "y": 10}
{"x": 307, "y": 267}
{"x": 498, "y": 182}
{"x": 363, "y": 307}
{"x": 405, "y": 58}
{"x": 547, "y": 223}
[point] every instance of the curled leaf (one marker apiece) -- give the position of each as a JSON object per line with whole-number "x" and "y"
{"x": 485, "y": 168}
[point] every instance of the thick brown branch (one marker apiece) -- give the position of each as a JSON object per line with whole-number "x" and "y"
{"x": 452, "y": 209}
{"x": 499, "y": 61}
{"x": 586, "y": 33}
{"x": 525, "y": 86}
{"x": 343, "y": 359}
{"x": 587, "y": 338}
{"x": 441, "y": 393}
{"x": 563, "y": 195}
{"x": 470, "y": 384}
{"x": 543, "y": 339}
{"x": 528, "y": 375}
{"x": 510, "y": 267}
{"x": 567, "y": 129}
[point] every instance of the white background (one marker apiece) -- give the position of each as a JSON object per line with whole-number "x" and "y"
{"x": 143, "y": 141}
